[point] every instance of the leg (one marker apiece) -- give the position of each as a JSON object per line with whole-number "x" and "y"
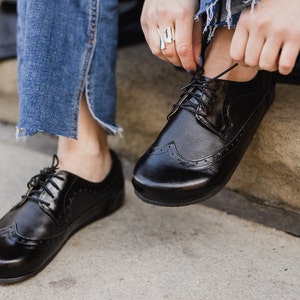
{"x": 207, "y": 132}
{"x": 87, "y": 156}
{"x": 85, "y": 182}
{"x": 218, "y": 59}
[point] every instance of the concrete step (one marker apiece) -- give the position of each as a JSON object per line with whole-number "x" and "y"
{"x": 148, "y": 252}
{"x": 147, "y": 89}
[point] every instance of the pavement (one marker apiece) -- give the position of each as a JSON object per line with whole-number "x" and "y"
{"x": 148, "y": 252}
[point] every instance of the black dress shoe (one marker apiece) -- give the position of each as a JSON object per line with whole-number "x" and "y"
{"x": 207, "y": 133}
{"x": 56, "y": 205}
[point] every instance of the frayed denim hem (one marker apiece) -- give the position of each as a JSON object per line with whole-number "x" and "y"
{"x": 219, "y": 15}
{"x": 58, "y": 62}
{"x": 23, "y": 133}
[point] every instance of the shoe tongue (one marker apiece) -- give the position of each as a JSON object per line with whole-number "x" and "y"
{"x": 202, "y": 97}
{"x": 208, "y": 103}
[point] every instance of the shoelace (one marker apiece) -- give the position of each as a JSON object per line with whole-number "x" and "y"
{"x": 196, "y": 96}
{"x": 38, "y": 183}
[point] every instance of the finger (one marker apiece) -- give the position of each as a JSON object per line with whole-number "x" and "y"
{"x": 253, "y": 49}
{"x": 153, "y": 40}
{"x": 149, "y": 26}
{"x": 197, "y": 38}
{"x": 270, "y": 55}
{"x": 184, "y": 43}
{"x": 240, "y": 37}
{"x": 287, "y": 59}
{"x": 239, "y": 43}
{"x": 167, "y": 34}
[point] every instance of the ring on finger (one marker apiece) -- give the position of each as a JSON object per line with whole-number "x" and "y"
{"x": 167, "y": 36}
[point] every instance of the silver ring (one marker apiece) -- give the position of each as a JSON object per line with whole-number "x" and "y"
{"x": 167, "y": 36}
{"x": 161, "y": 41}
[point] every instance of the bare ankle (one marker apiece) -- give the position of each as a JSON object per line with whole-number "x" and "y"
{"x": 78, "y": 158}
{"x": 88, "y": 156}
{"x": 91, "y": 168}
{"x": 217, "y": 59}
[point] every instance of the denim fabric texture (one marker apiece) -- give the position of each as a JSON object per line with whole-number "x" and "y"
{"x": 66, "y": 48}
{"x": 221, "y": 13}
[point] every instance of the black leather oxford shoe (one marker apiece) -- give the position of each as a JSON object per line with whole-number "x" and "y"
{"x": 205, "y": 137}
{"x": 56, "y": 205}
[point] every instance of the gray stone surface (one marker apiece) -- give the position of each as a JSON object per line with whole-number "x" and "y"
{"x": 148, "y": 252}
{"x": 270, "y": 170}
{"x": 8, "y": 91}
{"x": 147, "y": 89}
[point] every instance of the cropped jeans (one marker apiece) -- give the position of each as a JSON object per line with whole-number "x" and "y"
{"x": 68, "y": 47}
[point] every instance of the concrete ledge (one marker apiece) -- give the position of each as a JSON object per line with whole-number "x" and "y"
{"x": 8, "y": 91}
{"x": 147, "y": 89}
{"x": 270, "y": 170}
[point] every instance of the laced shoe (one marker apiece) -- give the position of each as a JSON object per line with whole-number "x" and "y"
{"x": 56, "y": 205}
{"x": 206, "y": 135}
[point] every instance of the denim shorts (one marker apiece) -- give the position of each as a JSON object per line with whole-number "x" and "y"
{"x": 66, "y": 48}
{"x": 221, "y": 13}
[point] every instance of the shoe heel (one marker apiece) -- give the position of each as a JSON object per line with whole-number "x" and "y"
{"x": 116, "y": 202}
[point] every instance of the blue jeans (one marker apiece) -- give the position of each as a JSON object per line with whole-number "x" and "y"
{"x": 66, "y": 48}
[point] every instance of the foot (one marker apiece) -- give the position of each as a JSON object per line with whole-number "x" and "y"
{"x": 57, "y": 204}
{"x": 207, "y": 133}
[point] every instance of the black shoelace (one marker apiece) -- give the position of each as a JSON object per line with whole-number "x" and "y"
{"x": 196, "y": 96}
{"x": 38, "y": 183}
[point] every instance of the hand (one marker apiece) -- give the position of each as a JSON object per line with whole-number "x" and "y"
{"x": 269, "y": 36}
{"x": 179, "y": 15}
